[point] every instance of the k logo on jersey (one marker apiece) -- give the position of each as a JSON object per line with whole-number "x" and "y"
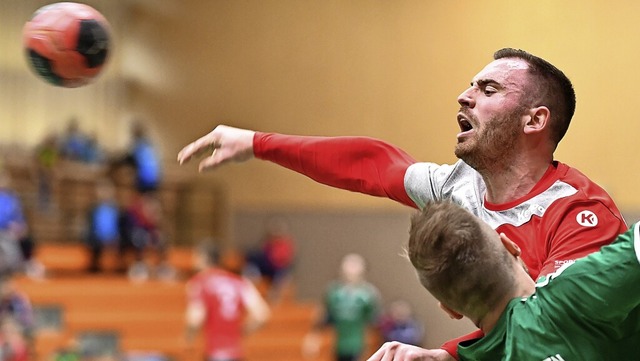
{"x": 587, "y": 219}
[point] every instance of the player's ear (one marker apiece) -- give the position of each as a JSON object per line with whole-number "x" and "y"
{"x": 538, "y": 119}
{"x": 453, "y": 314}
{"x": 510, "y": 245}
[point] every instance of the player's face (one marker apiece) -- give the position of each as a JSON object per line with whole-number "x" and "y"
{"x": 491, "y": 113}
{"x": 352, "y": 268}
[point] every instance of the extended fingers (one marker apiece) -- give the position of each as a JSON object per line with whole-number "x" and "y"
{"x": 222, "y": 145}
{"x": 384, "y": 353}
{"x": 211, "y": 161}
{"x": 204, "y": 144}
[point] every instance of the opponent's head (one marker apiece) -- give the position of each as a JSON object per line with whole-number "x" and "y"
{"x": 460, "y": 259}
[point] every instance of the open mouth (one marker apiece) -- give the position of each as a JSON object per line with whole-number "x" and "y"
{"x": 464, "y": 123}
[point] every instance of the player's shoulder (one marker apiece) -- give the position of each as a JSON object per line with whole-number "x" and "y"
{"x": 585, "y": 185}
{"x": 204, "y": 273}
{"x": 583, "y": 204}
{"x": 212, "y": 273}
{"x": 195, "y": 278}
{"x": 370, "y": 287}
{"x": 586, "y": 190}
{"x": 425, "y": 181}
{"x": 421, "y": 168}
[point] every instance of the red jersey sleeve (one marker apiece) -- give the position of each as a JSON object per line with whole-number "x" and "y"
{"x": 576, "y": 230}
{"x": 452, "y": 346}
{"x": 358, "y": 164}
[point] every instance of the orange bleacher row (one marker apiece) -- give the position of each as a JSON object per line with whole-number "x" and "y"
{"x": 149, "y": 317}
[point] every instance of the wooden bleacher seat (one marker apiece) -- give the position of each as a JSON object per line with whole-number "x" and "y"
{"x": 149, "y": 317}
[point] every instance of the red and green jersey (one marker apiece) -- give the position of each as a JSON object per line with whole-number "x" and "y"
{"x": 586, "y": 310}
{"x": 564, "y": 217}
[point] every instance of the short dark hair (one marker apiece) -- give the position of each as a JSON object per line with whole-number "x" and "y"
{"x": 455, "y": 259}
{"x": 550, "y": 87}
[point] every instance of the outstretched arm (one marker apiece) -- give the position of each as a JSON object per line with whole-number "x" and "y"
{"x": 358, "y": 164}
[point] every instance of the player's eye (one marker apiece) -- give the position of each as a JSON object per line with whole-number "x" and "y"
{"x": 489, "y": 90}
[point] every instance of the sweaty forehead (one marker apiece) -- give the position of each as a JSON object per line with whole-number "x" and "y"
{"x": 504, "y": 71}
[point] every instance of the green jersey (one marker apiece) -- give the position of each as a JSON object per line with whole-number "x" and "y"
{"x": 350, "y": 309}
{"x": 587, "y": 310}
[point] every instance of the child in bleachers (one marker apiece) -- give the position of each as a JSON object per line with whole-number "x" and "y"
{"x": 274, "y": 259}
{"x": 102, "y": 224}
{"x": 399, "y": 324}
{"x": 140, "y": 227}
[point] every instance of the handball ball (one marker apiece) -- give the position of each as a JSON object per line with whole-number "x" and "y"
{"x": 67, "y": 44}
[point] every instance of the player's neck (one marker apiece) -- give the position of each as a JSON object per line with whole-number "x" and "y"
{"x": 524, "y": 287}
{"x": 491, "y": 318}
{"x": 508, "y": 183}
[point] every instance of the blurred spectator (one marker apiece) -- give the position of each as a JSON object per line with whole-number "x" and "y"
{"x": 143, "y": 156}
{"x": 16, "y": 242}
{"x": 13, "y": 345}
{"x": 73, "y": 143}
{"x": 93, "y": 153}
{"x": 217, "y": 300}
{"x": 47, "y": 156}
{"x": 78, "y": 146}
{"x": 274, "y": 259}
{"x": 102, "y": 224}
{"x": 16, "y": 306}
{"x": 140, "y": 224}
{"x": 140, "y": 231}
{"x": 399, "y": 324}
{"x": 31, "y": 266}
{"x": 351, "y": 304}
{"x": 13, "y": 226}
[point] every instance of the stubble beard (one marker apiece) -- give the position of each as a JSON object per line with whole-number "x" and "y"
{"x": 493, "y": 148}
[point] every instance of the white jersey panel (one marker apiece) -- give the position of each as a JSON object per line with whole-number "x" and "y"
{"x": 463, "y": 185}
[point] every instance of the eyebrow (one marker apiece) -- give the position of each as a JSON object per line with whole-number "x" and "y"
{"x": 485, "y": 82}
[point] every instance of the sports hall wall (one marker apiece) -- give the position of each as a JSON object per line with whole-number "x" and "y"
{"x": 387, "y": 69}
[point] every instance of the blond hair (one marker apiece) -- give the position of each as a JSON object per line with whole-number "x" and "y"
{"x": 459, "y": 259}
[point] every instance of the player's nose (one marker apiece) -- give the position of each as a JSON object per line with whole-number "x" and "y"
{"x": 466, "y": 99}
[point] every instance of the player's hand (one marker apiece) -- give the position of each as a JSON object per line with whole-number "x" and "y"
{"x": 396, "y": 351}
{"x": 224, "y": 144}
